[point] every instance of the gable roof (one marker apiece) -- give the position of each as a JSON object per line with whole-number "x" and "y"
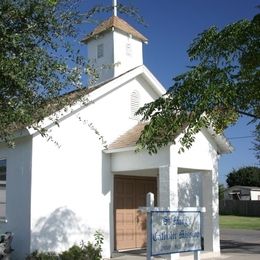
{"x": 128, "y": 140}
{"x": 94, "y": 93}
{"x": 50, "y": 107}
{"x": 117, "y": 23}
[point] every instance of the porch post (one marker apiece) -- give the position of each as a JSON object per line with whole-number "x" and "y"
{"x": 168, "y": 192}
{"x": 211, "y": 218}
{"x": 168, "y": 187}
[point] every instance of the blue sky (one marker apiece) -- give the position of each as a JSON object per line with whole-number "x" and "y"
{"x": 171, "y": 27}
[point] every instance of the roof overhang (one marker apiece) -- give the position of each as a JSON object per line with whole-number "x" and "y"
{"x": 223, "y": 145}
{"x": 127, "y": 141}
{"x": 95, "y": 93}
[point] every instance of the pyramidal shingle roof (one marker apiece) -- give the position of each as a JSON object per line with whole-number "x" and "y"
{"x": 117, "y": 23}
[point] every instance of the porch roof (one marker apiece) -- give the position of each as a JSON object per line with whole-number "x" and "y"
{"x": 128, "y": 140}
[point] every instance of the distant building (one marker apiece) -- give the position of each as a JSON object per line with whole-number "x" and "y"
{"x": 242, "y": 193}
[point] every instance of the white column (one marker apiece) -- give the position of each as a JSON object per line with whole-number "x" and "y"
{"x": 168, "y": 187}
{"x": 215, "y": 208}
{"x": 168, "y": 193}
{"x": 211, "y": 217}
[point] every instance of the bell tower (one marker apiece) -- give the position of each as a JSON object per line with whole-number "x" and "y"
{"x": 114, "y": 47}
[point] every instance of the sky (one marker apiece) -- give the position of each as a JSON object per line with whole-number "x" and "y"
{"x": 171, "y": 25}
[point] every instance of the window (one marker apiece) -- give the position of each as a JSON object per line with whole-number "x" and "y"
{"x": 128, "y": 49}
{"x": 100, "y": 51}
{"x": 134, "y": 104}
{"x": 2, "y": 188}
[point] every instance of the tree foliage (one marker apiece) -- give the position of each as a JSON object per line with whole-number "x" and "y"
{"x": 40, "y": 59}
{"x": 34, "y": 56}
{"x": 246, "y": 176}
{"x": 257, "y": 142}
{"x": 221, "y": 87}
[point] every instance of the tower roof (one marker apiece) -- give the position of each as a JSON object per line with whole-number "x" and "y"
{"x": 117, "y": 23}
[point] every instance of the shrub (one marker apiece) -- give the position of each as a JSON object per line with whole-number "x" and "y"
{"x": 75, "y": 253}
{"x": 36, "y": 255}
{"x": 95, "y": 251}
{"x": 83, "y": 252}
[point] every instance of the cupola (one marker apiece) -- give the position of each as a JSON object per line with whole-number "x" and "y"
{"x": 114, "y": 47}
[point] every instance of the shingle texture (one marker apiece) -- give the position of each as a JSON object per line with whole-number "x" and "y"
{"x": 117, "y": 23}
{"x": 129, "y": 138}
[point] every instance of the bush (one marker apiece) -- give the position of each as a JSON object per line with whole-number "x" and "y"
{"x": 83, "y": 252}
{"x": 36, "y": 255}
{"x": 75, "y": 253}
{"x": 95, "y": 251}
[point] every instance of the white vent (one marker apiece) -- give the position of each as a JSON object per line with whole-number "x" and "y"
{"x": 134, "y": 104}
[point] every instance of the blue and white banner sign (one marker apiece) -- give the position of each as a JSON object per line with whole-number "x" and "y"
{"x": 175, "y": 232}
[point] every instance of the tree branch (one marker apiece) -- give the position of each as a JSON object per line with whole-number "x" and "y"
{"x": 247, "y": 114}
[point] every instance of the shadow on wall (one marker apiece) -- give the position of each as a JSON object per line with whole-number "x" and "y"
{"x": 189, "y": 186}
{"x": 60, "y": 230}
{"x": 204, "y": 183}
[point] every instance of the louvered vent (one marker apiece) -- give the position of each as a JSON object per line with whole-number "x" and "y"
{"x": 135, "y": 104}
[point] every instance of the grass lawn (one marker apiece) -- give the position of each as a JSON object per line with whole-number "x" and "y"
{"x": 237, "y": 222}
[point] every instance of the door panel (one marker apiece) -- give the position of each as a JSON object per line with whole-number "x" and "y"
{"x": 142, "y": 188}
{"x": 130, "y": 223}
{"x": 125, "y": 213}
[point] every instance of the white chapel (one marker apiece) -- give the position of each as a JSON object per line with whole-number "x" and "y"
{"x": 57, "y": 196}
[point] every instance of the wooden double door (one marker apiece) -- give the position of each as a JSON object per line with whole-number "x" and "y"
{"x": 130, "y": 223}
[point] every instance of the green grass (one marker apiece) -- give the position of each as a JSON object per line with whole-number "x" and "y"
{"x": 238, "y": 222}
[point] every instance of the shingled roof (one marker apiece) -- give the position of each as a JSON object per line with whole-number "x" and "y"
{"x": 117, "y": 23}
{"x": 129, "y": 138}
